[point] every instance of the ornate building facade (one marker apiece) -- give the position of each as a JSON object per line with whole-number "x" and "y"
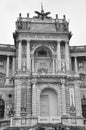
{"x": 42, "y": 77}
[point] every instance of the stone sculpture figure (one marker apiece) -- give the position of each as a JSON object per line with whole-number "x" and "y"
{"x": 42, "y": 14}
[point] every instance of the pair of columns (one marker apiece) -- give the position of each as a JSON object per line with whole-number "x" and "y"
{"x": 67, "y": 58}
{"x": 8, "y": 67}
{"x": 20, "y": 56}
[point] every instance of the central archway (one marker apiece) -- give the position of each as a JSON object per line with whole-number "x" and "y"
{"x": 48, "y": 102}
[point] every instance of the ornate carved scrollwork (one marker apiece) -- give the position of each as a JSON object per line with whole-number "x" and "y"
{"x": 52, "y": 46}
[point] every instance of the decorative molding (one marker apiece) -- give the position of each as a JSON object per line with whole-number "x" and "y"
{"x": 48, "y": 80}
{"x": 52, "y": 45}
{"x": 43, "y": 36}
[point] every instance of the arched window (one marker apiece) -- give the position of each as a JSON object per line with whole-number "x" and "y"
{"x": 42, "y": 52}
{"x": 2, "y": 106}
{"x": 84, "y": 106}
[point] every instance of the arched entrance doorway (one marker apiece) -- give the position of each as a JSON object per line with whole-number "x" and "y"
{"x": 2, "y": 105}
{"x": 48, "y": 102}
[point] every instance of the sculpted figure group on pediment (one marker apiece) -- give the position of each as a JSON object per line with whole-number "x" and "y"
{"x": 62, "y": 26}
{"x": 23, "y": 25}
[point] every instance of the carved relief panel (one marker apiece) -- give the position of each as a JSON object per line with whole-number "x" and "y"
{"x": 72, "y": 99}
{"x": 43, "y": 66}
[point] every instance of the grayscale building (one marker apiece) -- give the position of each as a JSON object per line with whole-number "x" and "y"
{"x": 42, "y": 77}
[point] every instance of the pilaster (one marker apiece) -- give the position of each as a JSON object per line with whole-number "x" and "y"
{"x": 63, "y": 97}
{"x": 7, "y": 71}
{"x": 28, "y": 57}
{"x": 67, "y": 57}
{"x": 58, "y": 57}
{"x": 33, "y": 64}
{"x": 18, "y": 99}
{"x": 78, "y": 98}
{"x": 29, "y": 99}
{"x": 13, "y": 66}
{"x": 53, "y": 65}
{"x": 34, "y": 98}
{"x": 19, "y": 55}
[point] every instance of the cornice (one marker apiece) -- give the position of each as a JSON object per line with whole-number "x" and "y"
{"x": 42, "y": 32}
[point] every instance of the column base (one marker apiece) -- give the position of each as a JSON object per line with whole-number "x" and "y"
{"x": 28, "y": 72}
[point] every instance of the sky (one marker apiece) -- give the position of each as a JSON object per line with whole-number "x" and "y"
{"x": 75, "y": 11}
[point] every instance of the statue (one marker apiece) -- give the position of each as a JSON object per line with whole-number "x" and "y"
{"x": 63, "y": 67}
{"x": 41, "y": 14}
{"x": 57, "y": 25}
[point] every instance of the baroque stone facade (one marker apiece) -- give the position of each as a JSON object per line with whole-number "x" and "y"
{"x": 42, "y": 77}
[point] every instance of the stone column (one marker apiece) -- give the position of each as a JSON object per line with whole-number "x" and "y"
{"x": 67, "y": 57}
{"x": 76, "y": 66}
{"x": 78, "y": 99}
{"x": 7, "y": 71}
{"x": 19, "y": 55}
{"x": 28, "y": 57}
{"x": 33, "y": 64}
{"x": 13, "y": 66}
{"x": 70, "y": 63}
{"x": 53, "y": 66}
{"x": 34, "y": 99}
{"x": 58, "y": 57}
{"x": 63, "y": 97}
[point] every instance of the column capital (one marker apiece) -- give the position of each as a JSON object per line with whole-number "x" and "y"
{"x": 66, "y": 41}
{"x": 75, "y": 56}
{"x": 62, "y": 81}
{"x": 13, "y": 56}
{"x": 58, "y": 41}
{"x": 19, "y": 41}
{"x": 29, "y": 40}
{"x": 34, "y": 81}
{"x": 8, "y": 55}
